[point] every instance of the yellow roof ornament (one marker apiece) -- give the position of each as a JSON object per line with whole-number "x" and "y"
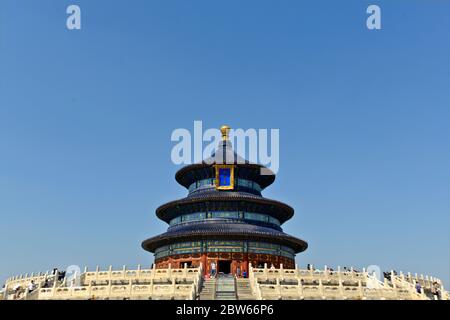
{"x": 225, "y": 130}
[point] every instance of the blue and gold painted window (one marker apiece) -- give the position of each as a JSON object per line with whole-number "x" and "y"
{"x": 225, "y": 214}
{"x": 193, "y": 216}
{"x": 186, "y": 247}
{"x": 224, "y": 177}
{"x": 233, "y": 215}
{"x": 212, "y": 182}
{"x": 224, "y": 246}
{"x": 256, "y": 217}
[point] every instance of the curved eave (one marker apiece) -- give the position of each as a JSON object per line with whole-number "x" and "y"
{"x": 172, "y": 209}
{"x": 257, "y": 234}
{"x": 187, "y": 175}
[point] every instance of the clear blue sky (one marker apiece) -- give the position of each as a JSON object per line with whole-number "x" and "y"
{"x": 86, "y": 118}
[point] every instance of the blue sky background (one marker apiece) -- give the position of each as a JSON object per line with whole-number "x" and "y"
{"x": 86, "y": 118}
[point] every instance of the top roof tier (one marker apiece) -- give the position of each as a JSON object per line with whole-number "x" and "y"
{"x": 225, "y": 154}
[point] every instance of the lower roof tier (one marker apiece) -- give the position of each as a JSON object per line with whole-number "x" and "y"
{"x": 223, "y": 230}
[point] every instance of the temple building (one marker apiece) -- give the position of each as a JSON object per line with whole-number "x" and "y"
{"x": 224, "y": 218}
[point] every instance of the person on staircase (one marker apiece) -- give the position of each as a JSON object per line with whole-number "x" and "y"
{"x": 418, "y": 287}
{"x": 212, "y": 273}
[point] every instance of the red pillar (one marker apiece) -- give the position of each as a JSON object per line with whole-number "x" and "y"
{"x": 204, "y": 263}
{"x": 244, "y": 265}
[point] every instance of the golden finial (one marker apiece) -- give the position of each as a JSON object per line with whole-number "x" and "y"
{"x": 225, "y": 130}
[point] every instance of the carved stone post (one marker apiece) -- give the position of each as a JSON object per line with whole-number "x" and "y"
{"x": 109, "y": 273}
{"x": 360, "y": 289}
{"x": 321, "y": 290}
{"x": 393, "y": 279}
{"x": 151, "y": 286}
{"x": 300, "y": 288}
{"x": 173, "y": 288}
{"x": 96, "y": 274}
{"x": 281, "y": 271}
{"x": 138, "y": 272}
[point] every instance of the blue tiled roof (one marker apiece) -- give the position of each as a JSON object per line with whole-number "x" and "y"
{"x": 277, "y": 209}
{"x": 234, "y": 230}
{"x": 208, "y": 199}
{"x": 211, "y": 192}
{"x": 224, "y": 155}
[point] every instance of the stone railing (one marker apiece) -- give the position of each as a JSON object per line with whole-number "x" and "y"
{"x": 24, "y": 280}
{"x": 140, "y": 284}
{"x": 113, "y": 292}
{"x": 140, "y": 275}
{"x": 185, "y": 283}
{"x": 271, "y": 283}
{"x": 426, "y": 283}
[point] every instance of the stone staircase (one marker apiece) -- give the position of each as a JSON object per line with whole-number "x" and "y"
{"x": 243, "y": 290}
{"x": 226, "y": 288}
{"x": 208, "y": 290}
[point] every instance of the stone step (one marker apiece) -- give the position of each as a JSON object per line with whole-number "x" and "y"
{"x": 208, "y": 290}
{"x": 225, "y": 293}
{"x": 244, "y": 291}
